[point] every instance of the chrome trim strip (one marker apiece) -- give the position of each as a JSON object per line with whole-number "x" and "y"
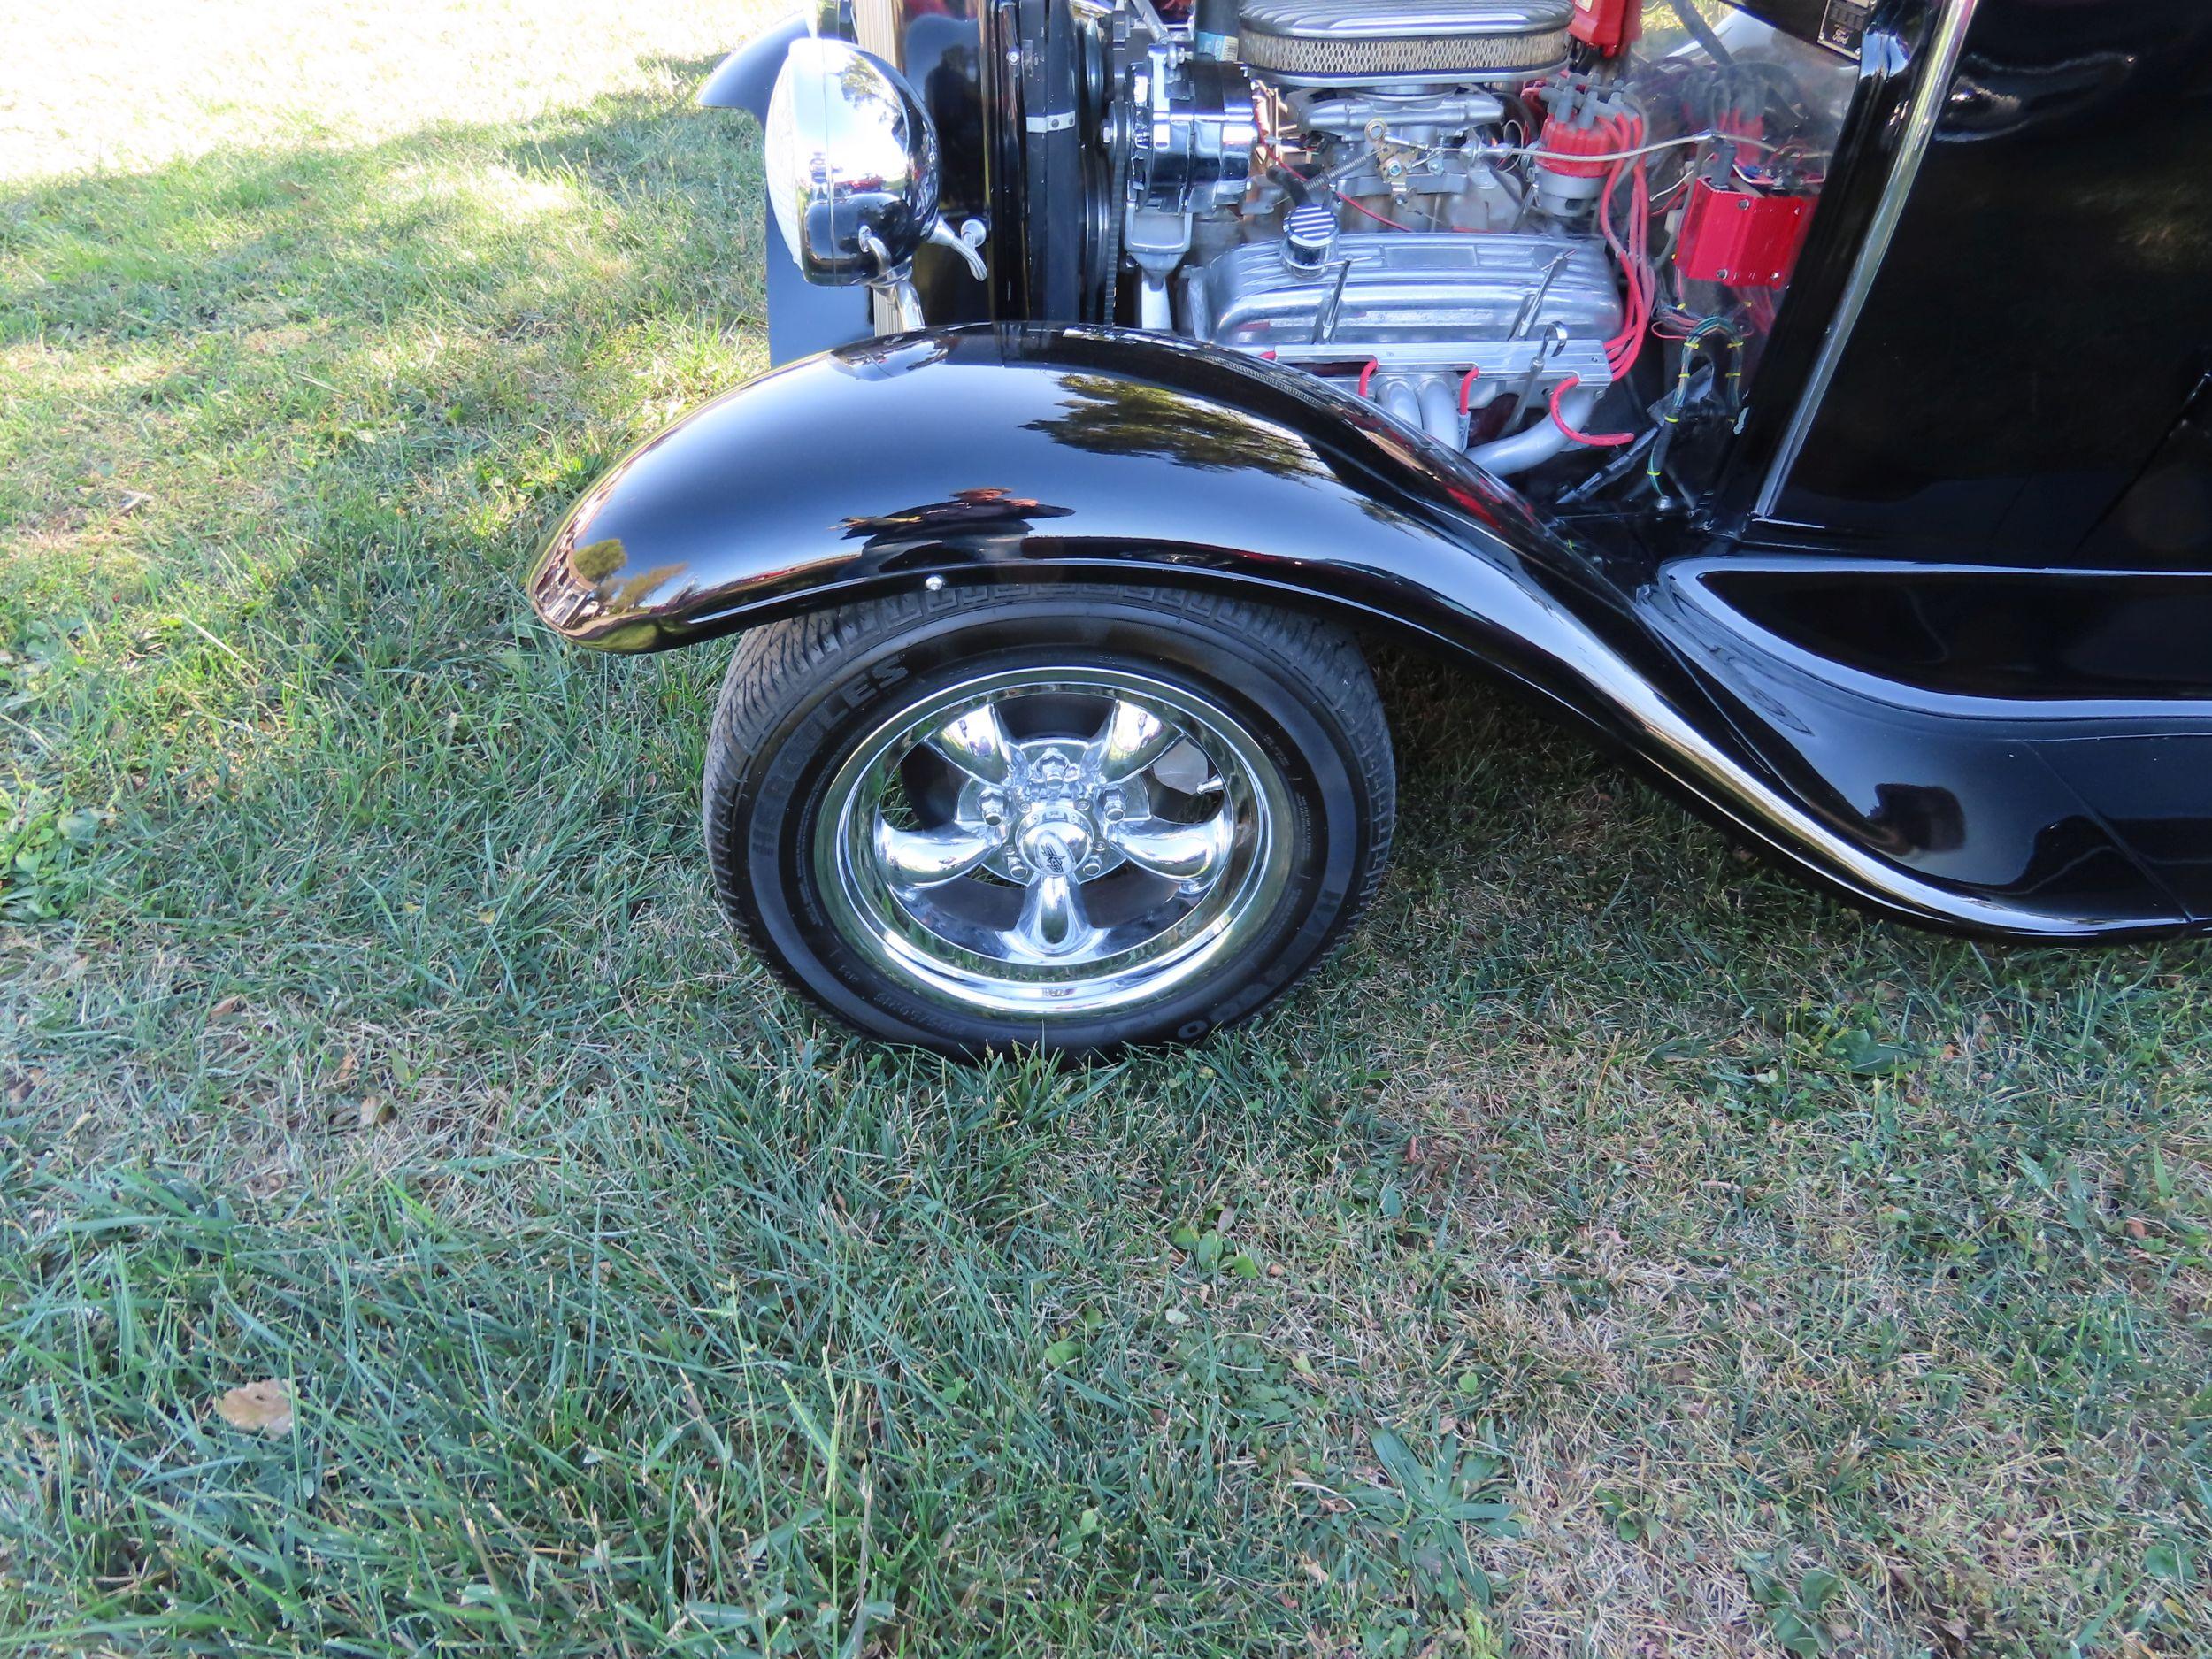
{"x": 1941, "y": 63}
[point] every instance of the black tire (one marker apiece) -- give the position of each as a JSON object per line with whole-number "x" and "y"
{"x": 803, "y": 696}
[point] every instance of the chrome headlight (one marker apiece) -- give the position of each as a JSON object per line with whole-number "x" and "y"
{"x": 851, "y": 158}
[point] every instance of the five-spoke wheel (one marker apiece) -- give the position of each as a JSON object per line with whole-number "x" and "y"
{"x": 1058, "y": 839}
{"x": 1072, "y": 818}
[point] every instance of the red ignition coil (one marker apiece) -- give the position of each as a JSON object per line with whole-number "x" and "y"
{"x": 1609, "y": 26}
{"x": 1738, "y": 239}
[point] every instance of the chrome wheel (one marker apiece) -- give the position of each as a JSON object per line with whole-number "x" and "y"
{"x": 1054, "y": 841}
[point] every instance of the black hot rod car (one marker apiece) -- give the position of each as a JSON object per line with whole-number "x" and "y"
{"x": 1807, "y": 396}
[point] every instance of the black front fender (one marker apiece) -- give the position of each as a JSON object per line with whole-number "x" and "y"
{"x": 746, "y": 79}
{"x": 1033, "y": 453}
{"x": 1028, "y": 453}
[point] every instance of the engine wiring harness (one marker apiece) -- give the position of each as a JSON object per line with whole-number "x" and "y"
{"x": 1594, "y": 250}
{"x": 1685, "y": 141}
{"x": 1733, "y": 206}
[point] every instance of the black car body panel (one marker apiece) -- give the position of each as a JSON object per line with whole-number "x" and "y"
{"x": 1939, "y": 631}
{"x": 746, "y": 79}
{"x": 2042, "y": 316}
{"x": 1077, "y": 453}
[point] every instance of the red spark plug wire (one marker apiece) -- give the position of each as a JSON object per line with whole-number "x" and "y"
{"x": 1595, "y": 440}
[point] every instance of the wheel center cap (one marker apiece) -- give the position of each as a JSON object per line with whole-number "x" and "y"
{"x": 1056, "y": 844}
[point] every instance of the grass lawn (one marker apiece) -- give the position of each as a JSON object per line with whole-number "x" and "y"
{"x": 1620, "y": 1251}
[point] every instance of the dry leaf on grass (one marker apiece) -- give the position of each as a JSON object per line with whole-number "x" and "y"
{"x": 228, "y": 1006}
{"x": 259, "y": 1408}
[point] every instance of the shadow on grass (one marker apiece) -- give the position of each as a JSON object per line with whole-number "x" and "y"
{"x": 272, "y": 309}
{"x": 385, "y": 1039}
{"x": 294, "y": 423}
{"x": 287, "y": 428}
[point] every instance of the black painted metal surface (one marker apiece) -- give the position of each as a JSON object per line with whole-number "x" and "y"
{"x": 1060, "y": 454}
{"x": 1960, "y": 672}
{"x": 2043, "y": 316}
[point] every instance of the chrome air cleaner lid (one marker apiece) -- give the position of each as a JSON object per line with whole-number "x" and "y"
{"x": 1350, "y": 42}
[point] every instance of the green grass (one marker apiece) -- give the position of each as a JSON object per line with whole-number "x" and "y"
{"x": 1620, "y": 1251}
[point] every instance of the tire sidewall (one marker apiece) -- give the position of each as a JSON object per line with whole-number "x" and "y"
{"x": 772, "y": 816}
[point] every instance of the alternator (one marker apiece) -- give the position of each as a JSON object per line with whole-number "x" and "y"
{"x": 1190, "y": 136}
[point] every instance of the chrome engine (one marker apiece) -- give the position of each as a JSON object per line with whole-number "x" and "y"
{"x": 1354, "y": 195}
{"x": 1488, "y": 218}
{"x": 1343, "y": 42}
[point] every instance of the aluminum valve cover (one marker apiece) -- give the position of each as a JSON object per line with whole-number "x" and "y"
{"x": 1423, "y": 300}
{"x": 1349, "y": 43}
